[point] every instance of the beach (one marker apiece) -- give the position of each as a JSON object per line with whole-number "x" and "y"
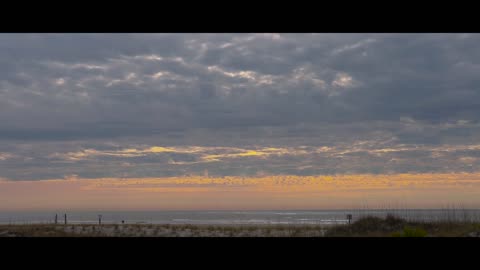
{"x": 161, "y": 230}
{"x": 367, "y": 226}
{"x": 278, "y": 223}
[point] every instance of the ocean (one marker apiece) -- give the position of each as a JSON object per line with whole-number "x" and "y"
{"x": 297, "y": 217}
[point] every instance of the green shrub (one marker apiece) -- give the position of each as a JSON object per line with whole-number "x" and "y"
{"x": 393, "y": 221}
{"x": 397, "y": 234}
{"x": 410, "y": 232}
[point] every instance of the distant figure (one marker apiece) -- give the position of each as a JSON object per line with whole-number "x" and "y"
{"x": 349, "y": 217}
{"x": 123, "y": 221}
{"x": 56, "y": 218}
{"x": 65, "y": 219}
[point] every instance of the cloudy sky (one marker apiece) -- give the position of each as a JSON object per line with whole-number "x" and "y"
{"x": 248, "y": 105}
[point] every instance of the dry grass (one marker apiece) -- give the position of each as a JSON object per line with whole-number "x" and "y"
{"x": 161, "y": 230}
{"x": 364, "y": 227}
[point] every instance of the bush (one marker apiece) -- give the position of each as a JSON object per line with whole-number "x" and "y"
{"x": 366, "y": 224}
{"x": 397, "y": 234}
{"x": 393, "y": 221}
{"x": 410, "y": 232}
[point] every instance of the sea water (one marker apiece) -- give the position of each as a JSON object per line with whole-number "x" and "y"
{"x": 297, "y": 217}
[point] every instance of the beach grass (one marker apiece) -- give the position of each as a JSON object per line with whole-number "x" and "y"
{"x": 452, "y": 222}
{"x": 160, "y": 230}
{"x": 371, "y": 226}
{"x": 364, "y": 227}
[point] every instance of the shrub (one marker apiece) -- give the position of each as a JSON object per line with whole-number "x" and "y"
{"x": 397, "y": 234}
{"x": 410, "y": 232}
{"x": 393, "y": 221}
{"x": 366, "y": 224}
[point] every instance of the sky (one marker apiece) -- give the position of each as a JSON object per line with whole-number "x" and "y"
{"x": 79, "y": 108}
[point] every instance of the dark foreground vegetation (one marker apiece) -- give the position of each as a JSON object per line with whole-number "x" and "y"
{"x": 160, "y": 230}
{"x": 369, "y": 226}
{"x": 392, "y": 226}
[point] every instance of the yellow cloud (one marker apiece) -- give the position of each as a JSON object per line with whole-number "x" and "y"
{"x": 130, "y": 150}
{"x": 249, "y": 153}
{"x": 159, "y": 149}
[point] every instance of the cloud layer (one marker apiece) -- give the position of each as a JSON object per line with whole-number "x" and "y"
{"x": 94, "y": 105}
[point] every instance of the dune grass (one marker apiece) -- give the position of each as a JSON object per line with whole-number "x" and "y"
{"x": 397, "y": 223}
{"x": 368, "y": 226}
{"x": 161, "y": 230}
{"x": 391, "y": 225}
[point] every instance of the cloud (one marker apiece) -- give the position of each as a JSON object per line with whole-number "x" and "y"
{"x": 123, "y": 159}
{"x": 246, "y": 91}
{"x": 342, "y": 80}
{"x": 5, "y": 156}
{"x": 204, "y": 153}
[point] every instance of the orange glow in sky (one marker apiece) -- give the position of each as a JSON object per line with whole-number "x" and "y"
{"x": 248, "y": 193}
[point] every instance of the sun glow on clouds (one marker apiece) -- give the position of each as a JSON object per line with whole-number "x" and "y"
{"x": 247, "y": 153}
{"x": 206, "y": 156}
{"x": 266, "y": 192}
{"x": 218, "y": 153}
{"x": 342, "y": 80}
{"x": 5, "y": 156}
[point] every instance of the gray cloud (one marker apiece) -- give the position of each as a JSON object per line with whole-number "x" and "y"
{"x": 82, "y": 91}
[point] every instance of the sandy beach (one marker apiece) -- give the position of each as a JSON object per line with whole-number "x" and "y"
{"x": 161, "y": 230}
